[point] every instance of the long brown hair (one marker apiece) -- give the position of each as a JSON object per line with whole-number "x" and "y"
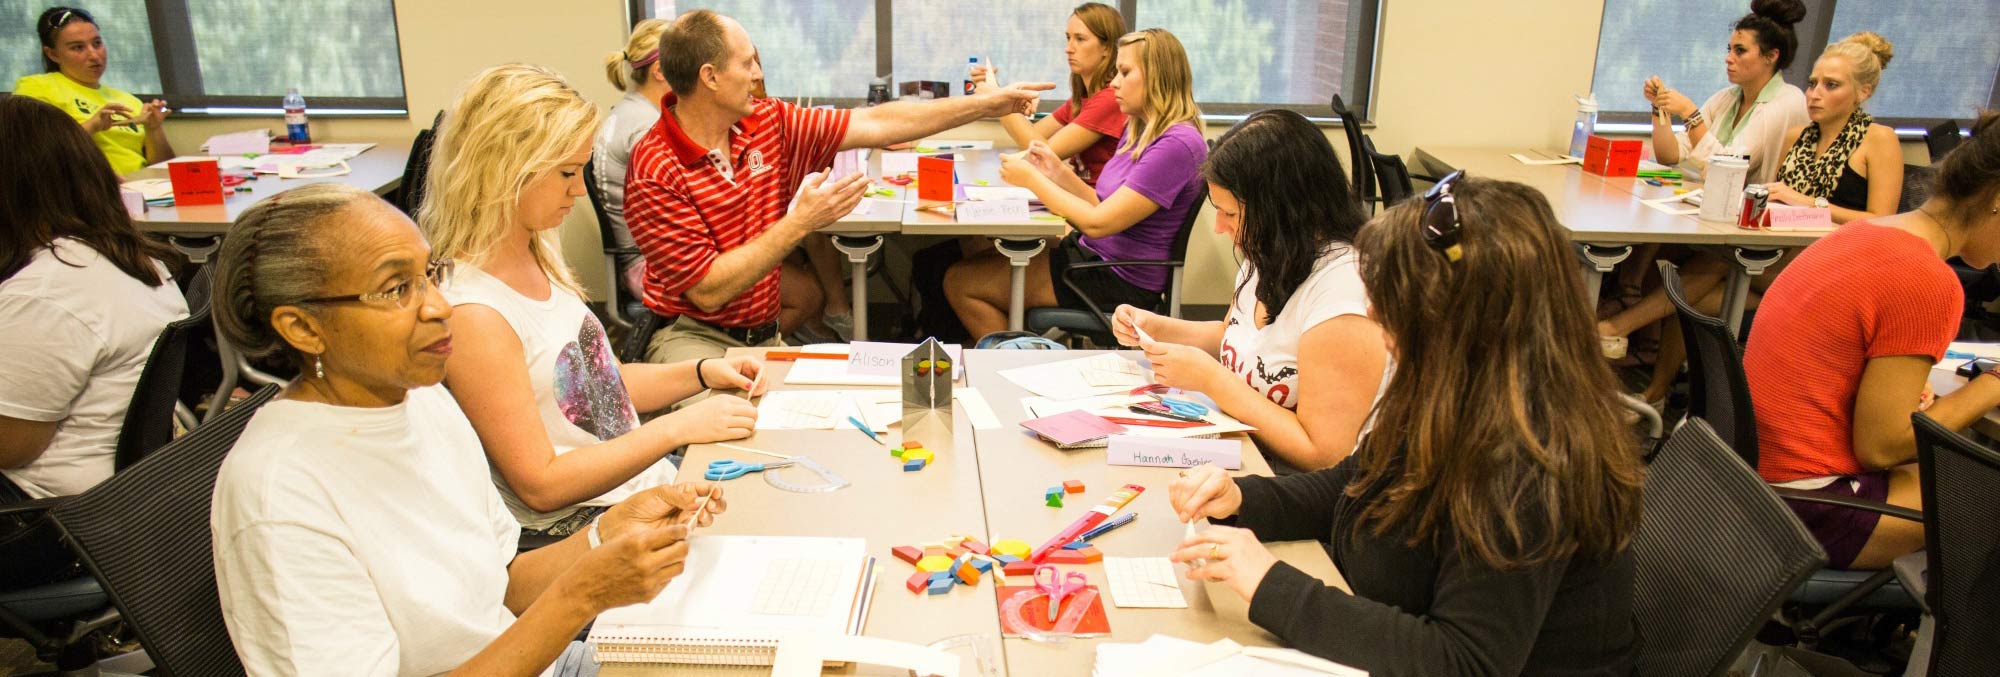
{"x": 1169, "y": 88}
{"x": 54, "y": 184}
{"x": 1500, "y": 432}
{"x": 1107, "y": 25}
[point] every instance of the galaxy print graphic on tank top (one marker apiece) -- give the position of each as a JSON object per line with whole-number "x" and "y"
{"x": 588, "y": 388}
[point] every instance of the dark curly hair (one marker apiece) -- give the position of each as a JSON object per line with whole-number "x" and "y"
{"x": 1771, "y": 21}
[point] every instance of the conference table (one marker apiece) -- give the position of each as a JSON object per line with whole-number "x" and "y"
{"x": 987, "y": 484}
{"x": 861, "y": 234}
{"x": 1606, "y": 218}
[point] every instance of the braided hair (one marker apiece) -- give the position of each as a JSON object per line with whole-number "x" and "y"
{"x": 276, "y": 254}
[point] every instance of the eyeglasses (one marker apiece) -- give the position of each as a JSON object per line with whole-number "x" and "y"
{"x": 436, "y": 274}
{"x": 1441, "y": 226}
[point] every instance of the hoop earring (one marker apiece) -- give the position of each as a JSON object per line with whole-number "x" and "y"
{"x": 319, "y": 368}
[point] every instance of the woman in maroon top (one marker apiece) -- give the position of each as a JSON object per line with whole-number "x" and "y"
{"x": 1086, "y": 129}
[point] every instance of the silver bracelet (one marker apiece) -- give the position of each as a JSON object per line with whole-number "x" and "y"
{"x": 590, "y": 536}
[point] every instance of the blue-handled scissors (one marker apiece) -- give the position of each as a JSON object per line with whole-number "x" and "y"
{"x": 729, "y": 469}
{"x": 1058, "y": 586}
{"x": 1189, "y": 408}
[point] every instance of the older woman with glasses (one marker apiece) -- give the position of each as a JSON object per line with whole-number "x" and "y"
{"x": 356, "y": 527}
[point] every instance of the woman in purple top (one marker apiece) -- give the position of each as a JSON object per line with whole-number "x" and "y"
{"x": 1141, "y": 200}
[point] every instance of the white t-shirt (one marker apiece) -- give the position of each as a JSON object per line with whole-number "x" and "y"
{"x": 358, "y": 541}
{"x": 1268, "y": 358}
{"x": 75, "y": 331}
{"x": 574, "y": 373}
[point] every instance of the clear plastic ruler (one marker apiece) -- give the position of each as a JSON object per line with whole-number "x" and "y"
{"x": 1074, "y": 607}
{"x": 804, "y": 476}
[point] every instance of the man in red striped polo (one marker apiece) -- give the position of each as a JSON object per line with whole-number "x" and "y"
{"x": 709, "y": 195}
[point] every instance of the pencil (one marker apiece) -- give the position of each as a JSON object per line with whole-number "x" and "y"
{"x": 727, "y": 445}
{"x": 694, "y": 518}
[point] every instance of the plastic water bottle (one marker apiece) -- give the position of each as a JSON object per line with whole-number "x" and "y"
{"x": 970, "y": 63}
{"x": 295, "y": 118}
{"x": 1586, "y": 124}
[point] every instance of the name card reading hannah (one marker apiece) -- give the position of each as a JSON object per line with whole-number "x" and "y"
{"x": 1169, "y": 452}
{"x": 992, "y": 211}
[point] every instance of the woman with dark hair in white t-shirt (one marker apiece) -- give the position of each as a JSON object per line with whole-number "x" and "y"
{"x": 1298, "y": 357}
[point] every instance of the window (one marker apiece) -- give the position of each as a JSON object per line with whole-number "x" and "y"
{"x": 1246, "y": 54}
{"x": 224, "y": 56}
{"x": 1945, "y": 65}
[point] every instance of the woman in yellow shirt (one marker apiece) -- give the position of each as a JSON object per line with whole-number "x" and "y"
{"x": 131, "y": 134}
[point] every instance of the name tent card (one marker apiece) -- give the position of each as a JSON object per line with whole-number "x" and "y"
{"x": 1174, "y": 452}
{"x": 988, "y": 211}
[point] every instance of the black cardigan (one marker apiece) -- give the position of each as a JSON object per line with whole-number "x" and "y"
{"x": 1426, "y": 610}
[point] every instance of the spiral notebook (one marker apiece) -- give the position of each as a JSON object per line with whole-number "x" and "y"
{"x": 738, "y": 597}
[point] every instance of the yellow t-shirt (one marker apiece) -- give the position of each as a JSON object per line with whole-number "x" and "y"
{"x": 124, "y": 145}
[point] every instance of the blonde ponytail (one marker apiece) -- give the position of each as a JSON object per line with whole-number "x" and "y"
{"x": 1868, "y": 52}
{"x": 627, "y": 69}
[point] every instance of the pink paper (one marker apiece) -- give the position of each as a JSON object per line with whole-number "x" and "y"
{"x": 1786, "y": 217}
{"x": 1073, "y": 427}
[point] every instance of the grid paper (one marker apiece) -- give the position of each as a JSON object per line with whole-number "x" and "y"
{"x": 1144, "y": 583}
{"x": 795, "y": 587}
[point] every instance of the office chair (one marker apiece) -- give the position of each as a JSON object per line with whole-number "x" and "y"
{"x": 144, "y": 534}
{"x": 156, "y": 404}
{"x": 620, "y": 307}
{"x": 1715, "y": 554}
{"x": 409, "y": 195}
{"x": 1095, "y": 323}
{"x": 1942, "y": 139}
{"x": 1954, "y": 577}
{"x": 1361, "y": 172}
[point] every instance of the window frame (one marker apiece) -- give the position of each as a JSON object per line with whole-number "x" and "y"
{"x": 1363, "y": 102}
{"x": 1813, "y": 34}
{"x": 172, "y": 29}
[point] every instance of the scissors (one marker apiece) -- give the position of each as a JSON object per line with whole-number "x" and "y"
{"x": 1058, "y": 586}
{"x": 729, "y": 469}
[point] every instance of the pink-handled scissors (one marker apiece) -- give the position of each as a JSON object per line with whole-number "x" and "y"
{"x": 1058, "y": 586}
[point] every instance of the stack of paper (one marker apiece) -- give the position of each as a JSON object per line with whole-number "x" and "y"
{"x": 1161, "y": 655}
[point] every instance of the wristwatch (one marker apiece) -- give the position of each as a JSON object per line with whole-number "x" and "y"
{"x": 1819, "y": 203}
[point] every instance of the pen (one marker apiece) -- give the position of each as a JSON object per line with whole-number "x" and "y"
{"x": 1099, "y": 530}
{"x": 865, "y": 430}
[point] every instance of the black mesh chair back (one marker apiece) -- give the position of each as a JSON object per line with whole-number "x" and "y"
{"x": 1715, "y": 555}
{"x": 1916, "y": 187}
{"x": 1392, "y": 175}
{"x": 149, "y": 420}
{"x": 1962, "y": 584}
{"x": 1361, "y": 173}
{"x": 410, "y": 193}
{"x": 1718, "y": 392}
{"x": 144, "y": 534}
{"x": 1942, "y": 139}
{"x": 1093, "y": 321}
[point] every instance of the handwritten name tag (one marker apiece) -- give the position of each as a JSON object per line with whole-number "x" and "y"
{"x": 1174, "y": 452}
{"x": 992, "y": 211}
{"x": 1785, "y": 217}
{"x": 871, "y": 358}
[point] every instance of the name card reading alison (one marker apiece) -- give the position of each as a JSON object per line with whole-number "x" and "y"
{"x": 1174, "y": 452}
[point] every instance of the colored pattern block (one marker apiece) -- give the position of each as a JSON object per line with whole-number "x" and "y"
{"x": 919, "y": 581}
{"x": 924, "y": 455}
{"x": 1019, "y": 568}
{"x": 967, "y": 574}
{"x": 940, "y": 583}
{"x": 896, "y": 452}
{"x": 1076, "y": 545}
{"x": 1073, "y": 486}
{"x": 976, "y": 546}
{"x": 982, "y": 565}
{"x": 913, "y": 466}
{"x": 1065, "y": 556}
{"x": 1011, "y": 548}
{"x": 934, "y": 563}
{"x": 1091, "y": 555}
{"x": 908, "y": 553}
{"x": 912, "y": 444}
{"x": 1054, "y": 501}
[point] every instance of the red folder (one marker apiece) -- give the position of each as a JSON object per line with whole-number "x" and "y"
{"x": 197, "y": 181}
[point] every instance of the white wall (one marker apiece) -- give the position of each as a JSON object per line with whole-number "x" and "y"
{"x": 1450, "y": 72}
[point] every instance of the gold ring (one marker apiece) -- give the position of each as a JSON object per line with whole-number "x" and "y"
{"x": 1215, "y": 551}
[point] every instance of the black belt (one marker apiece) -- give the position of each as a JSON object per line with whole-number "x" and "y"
{"x": 749, "y": 336}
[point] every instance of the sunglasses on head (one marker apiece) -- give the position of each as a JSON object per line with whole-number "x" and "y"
{"x": 1440, "y": 219}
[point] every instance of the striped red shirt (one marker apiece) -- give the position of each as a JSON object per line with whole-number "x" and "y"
{"x": 684, "y": 210}
{"x": 1864, "y": 292}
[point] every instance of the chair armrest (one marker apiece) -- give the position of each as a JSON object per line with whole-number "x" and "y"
{"x": 1114, "y": 264}
{"x": 30, "y": 507}
{"x": 1876, "y": 507}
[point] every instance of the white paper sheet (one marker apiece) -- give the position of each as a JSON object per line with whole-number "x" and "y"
{"x": 897, "y": 162}
{"x": 1144, "y": 583}
{"x": 1065, "y": 380}
{"x": 976, "y": 409}
{"x": 1672, "y": 204}
{"x": 1524, "y": 159}
{"x": 827, "y": 409}
{"x": 1166, "y": 656}
{"x": 1000, "y": 193}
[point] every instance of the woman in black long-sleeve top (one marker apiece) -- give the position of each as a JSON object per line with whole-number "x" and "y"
{"x": 1483, "y": 525}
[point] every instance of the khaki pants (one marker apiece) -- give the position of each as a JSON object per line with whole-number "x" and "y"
{"x": 691, "y": 339}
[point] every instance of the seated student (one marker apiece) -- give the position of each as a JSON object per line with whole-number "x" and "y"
{"x": 1299, "y": 358}
{"x": 1084, "y": 131}
{"x": 1749, "y": 116}
{"x": 84, "y": 295}
{"x": 533, "y": 370}
{"x": 1141, "y": 199}
{"x": 1842, "y": 350}
{"x": 1484, "y": 527}
{"x": 130, "y": 134}
{"x": 356, "y": 529}
{"x": 1842, "y": 160}
{"x": 718, "y": 192}
{"x": 635, "y": 71}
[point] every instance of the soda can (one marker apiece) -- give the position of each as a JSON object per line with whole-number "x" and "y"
{"x": 1755, "y": 199}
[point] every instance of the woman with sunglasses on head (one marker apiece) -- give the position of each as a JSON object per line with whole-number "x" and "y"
{"x": 130, "y": 134}
{"x": 1484, "y": 526}
{"x": 534, "y": 370}
{"x": 356, "y": 526}
{"x": 1139, "y": 204}
{"x": 1297, "y": 357}
{"x": 84, "y": 295}
{"x": 1842, "y": 350}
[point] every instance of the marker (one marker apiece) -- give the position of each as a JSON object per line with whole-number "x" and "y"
{"x": 1099, "y": 530}
{"x": 865, "y": 430}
